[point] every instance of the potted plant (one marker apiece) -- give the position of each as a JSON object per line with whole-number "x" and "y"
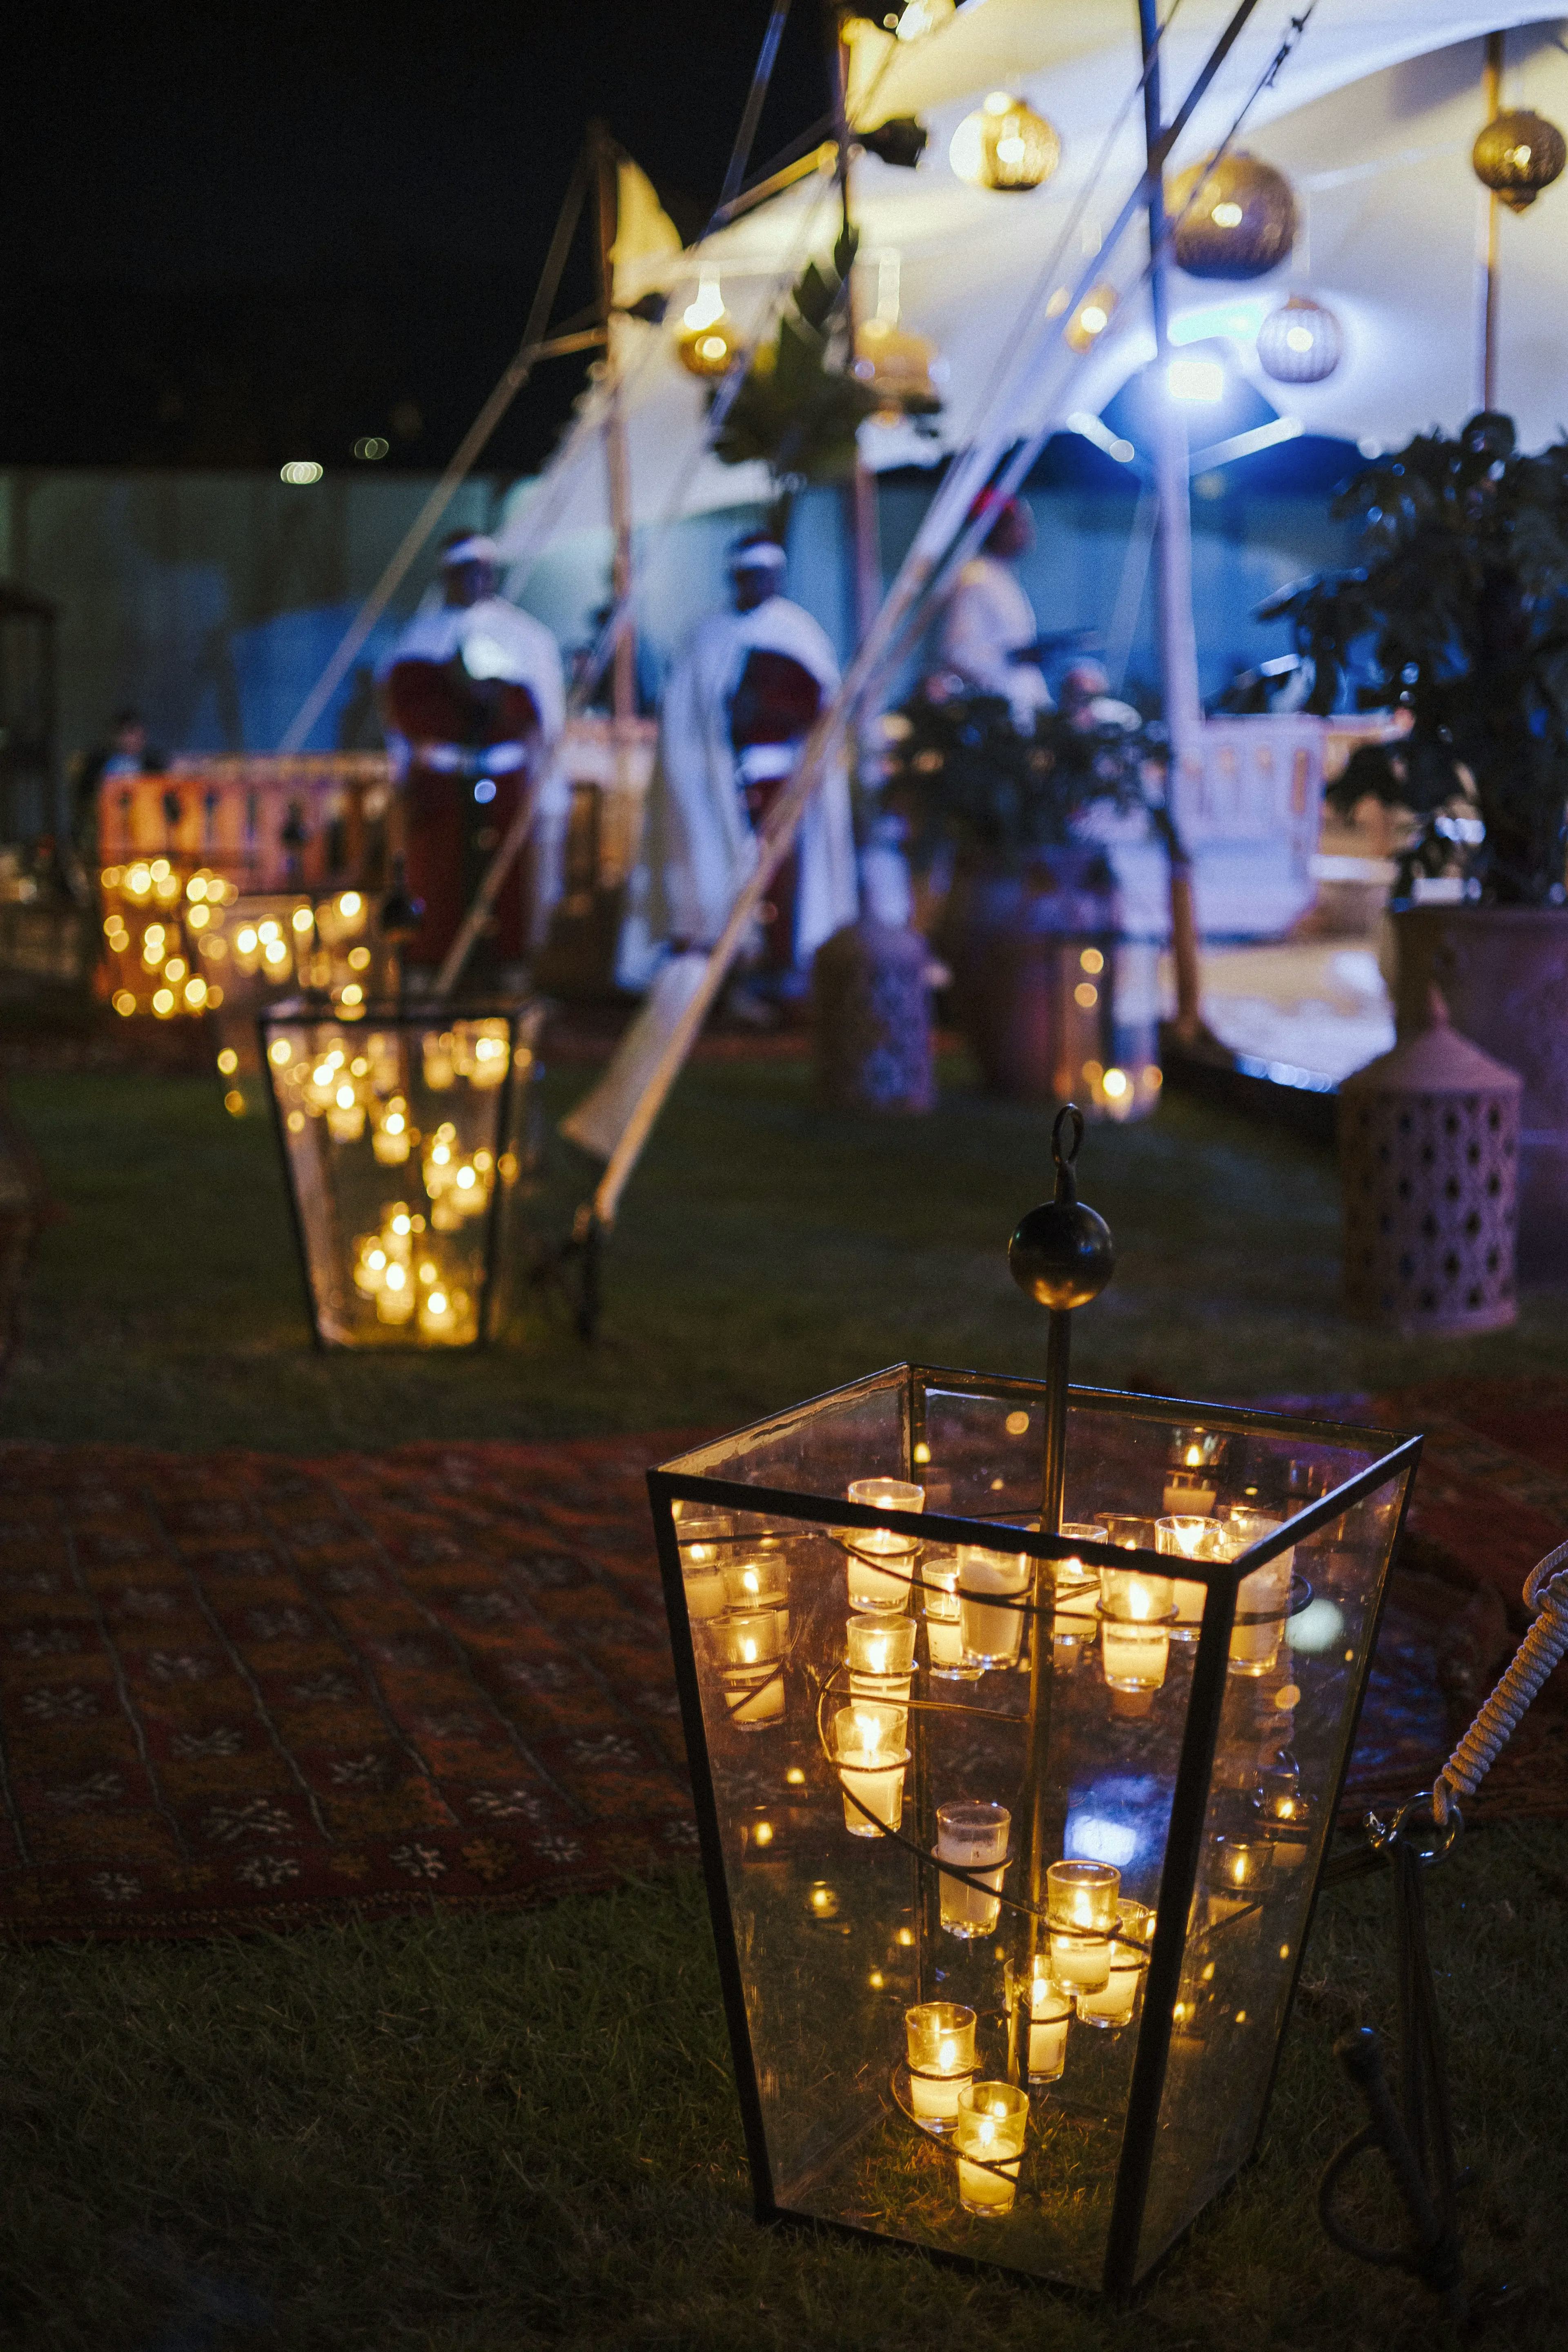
{"x": 1458, "y": 615}
{"x": 1032, "y": 920}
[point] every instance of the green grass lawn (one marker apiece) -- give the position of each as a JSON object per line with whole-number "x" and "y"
{"x": 479, "y": 2134}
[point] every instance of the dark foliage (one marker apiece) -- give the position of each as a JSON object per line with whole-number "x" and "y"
{"x": 967, "y": 778}
{"x": 1463, "y": 595}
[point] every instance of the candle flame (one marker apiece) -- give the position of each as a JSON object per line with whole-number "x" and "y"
{"x": 947, "y": 2053}
{"x": 1194, "y": 1456}
{"x": 748, "y": 1652}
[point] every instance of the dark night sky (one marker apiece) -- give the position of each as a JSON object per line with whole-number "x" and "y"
{"x": 234, "y": 235}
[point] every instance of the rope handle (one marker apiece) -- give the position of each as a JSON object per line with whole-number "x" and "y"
{"x": 1542, "y": 1648}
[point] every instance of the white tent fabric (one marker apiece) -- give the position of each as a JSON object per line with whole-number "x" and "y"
{"x": 1372, "y": 119}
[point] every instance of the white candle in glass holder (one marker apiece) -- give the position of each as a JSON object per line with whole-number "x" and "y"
{"x": 974, "y": 1835}
{"x": 992, "y": 2118}
{"x": 1081, "y": 1911}
{"x": 753, "y": 1695}
{"x": 1263, "y": 1597}
{"x": 757, "y": 1577}
{"x": 1237, "y": 1878}
{"x": 992, "y": 1586}
{"x": 1077, "y": 1619}
{"x": 1114, "y": 2004}
{"x": 1189, "y": 1492}
{"x": 881, "y": 1657}
{"x": 945, "y": 1618}
{"x": 881, "y": 1561}
{"x": 1189, "y": 1537}
{"x": 1050, "y": 2010}
{"x": 750, "y": 1638}
{"x": 939, "y": 2046}
{"x": 1135, "y": 1629}
{"x": 869, "y": 1747}
{"x": 703, "y": 1541}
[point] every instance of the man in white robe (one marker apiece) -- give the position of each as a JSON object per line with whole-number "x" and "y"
{"x": 475, "y": 702}
{"x": 742, "y": 696}
{"x": 988, "y": 638}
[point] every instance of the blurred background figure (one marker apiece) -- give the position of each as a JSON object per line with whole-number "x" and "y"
{"x": 1087, "y": 701}
{"x": 988, "y": 640}
{"x": 473, "y": 704}
{"x": 126, "y": 752}
{"x": 743, "y": 693}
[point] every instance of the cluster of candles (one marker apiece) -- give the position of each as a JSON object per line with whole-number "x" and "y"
{"x": 393, "y": 1267}
{"x": 153, "y": 929}
{"x": 737, "y": 1589}
{"x": 1092, "y": 1964}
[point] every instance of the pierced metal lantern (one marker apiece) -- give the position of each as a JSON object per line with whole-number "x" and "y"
{"x": 1004, "y": 145}
{"x": 1234, "y": 218}
{"x": 1302, "y": 342}
{"x": 1014, "y": 1782}
{"x": 1517, "y": 156}
{"x": 1429, "y": 1162}
{"x": 402, "y": 1132}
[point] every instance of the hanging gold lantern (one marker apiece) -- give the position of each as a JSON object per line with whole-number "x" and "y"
{"x": 1234, "y": 218}
{"x": 897, "y": 366}
{"x": 1006, "y": 144}
{"x": 707, "y": 341}
{"x": 1092, "y": 318}
{"x": 1517, "y": 156}
{"x": 1302, "y": 342}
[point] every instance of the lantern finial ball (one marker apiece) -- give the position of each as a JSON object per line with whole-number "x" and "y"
{"x": 1062, "y": 1254}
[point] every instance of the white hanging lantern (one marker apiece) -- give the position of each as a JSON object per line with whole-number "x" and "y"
{"x": 1004, "y": 146}
{"x": 1302, "y": 342}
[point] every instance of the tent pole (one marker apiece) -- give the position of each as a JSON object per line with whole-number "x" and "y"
{"x": 860, "y": 491}
{"x": 1491, "y": 86}
{"x": 624, "y": 676}
{"x": 1173, "y": 547}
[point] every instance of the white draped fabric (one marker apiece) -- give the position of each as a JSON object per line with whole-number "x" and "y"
{"x": 988, "y": 619}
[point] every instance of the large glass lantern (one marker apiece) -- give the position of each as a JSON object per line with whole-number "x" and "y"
{"x": 1011, "y": 1838}
{"x": 402, "y": 1130}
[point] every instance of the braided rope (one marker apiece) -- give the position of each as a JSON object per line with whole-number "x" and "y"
{"x": 1542, "y": 1648}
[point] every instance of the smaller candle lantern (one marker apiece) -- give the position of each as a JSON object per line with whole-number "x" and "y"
{"x": 940, "y": 2038}
{"x": 993, "y": 1588}
{"x": 881, "y": 1657}
{"x": 881, "y": 1561}
{"x": 1135, "y": 1629}
{"x": 975, "y": 1836}
{"x": 868, "y": 1744}
{"x": 992, "y": 2118}
{"x": 1080, "y": 1910}
{"x": 705, "y": 1538}
{"x": 1116, "y": 2003}
{"x": 1051, "y": 2009}
{"x": 945, "y": 1618}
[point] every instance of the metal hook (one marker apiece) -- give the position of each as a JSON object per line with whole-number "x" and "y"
{"x": 1068, "y": 1110}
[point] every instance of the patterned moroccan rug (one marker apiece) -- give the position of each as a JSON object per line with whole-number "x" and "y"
{"x": 243, "y": 1691}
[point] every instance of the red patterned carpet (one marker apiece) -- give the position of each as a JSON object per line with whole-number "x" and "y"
{"x": 244, "y": 1691}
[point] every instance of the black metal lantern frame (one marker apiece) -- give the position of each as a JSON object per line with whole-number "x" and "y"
{"x": 400, "y": 1128}
{"x": 1209, "y": 1797}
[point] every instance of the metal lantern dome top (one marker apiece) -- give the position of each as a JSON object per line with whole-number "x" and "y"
{"x": 1517, "y": 156}
{"x": 1004, "y": 145}
{"x": 1302, "y": 342}
{"x": 1234, "y": 218}
{"x": 1017, "y": 1717}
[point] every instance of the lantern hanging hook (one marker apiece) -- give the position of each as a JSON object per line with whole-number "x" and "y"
{"x": 1065, "y": 1154}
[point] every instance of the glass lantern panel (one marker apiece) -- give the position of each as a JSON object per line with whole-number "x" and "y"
{"x": 861, "y": 1432}
{"x": 1284, "y": 1731}
{"x": 397, "y": 1131}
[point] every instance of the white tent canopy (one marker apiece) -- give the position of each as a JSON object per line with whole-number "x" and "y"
{"x": 1371, "y": 118}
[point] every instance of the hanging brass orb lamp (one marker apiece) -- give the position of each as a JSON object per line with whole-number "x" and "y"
{"x": 1517, "y": 156}
{"x": 1235, "y": 219}
{"x": 1092, "y": 318}
{"x": 1302, "y": 342}
{"x": 707, "y": 341}
{"x": 1004, "y": 145}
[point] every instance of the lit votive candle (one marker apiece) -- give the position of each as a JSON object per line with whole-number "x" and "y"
{"x": 945, "y": 1618}
{"x": 1077, "y": 1619}
{"x": 868, "y": 1746}
{"x": 757, "y": 1575}
{"x": 1189, "y": 1492}
{"x": 881, "y": 1657}
{"x": 1050, "y": 2010}
{"x": 881, "y": 1561}
{"x": 1135, "y": 1629}
{"x": 975, "y": 1836}
{"x": 750, "y": 1649}
{"x": 1285, "y": 1813}
{"x": 1238, "y": 1877}
{"x": 390, "y": 1136}
{"x": 396, "y": 1301}
{"x": 992, "y": 2118}
{"x": 993, "y": 1587}
{"x": 939, "y": 2044}
{"x": 703, "y": 1541}
{"x": 753, "y": 1695}
{"x": 1081, "y": 1911}
{"x": 1262, "y": 1599}
{"x": 1113, "y": 2005}
{"x": 750, "y": 1638}
{"x": 1188, "y": 1536}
